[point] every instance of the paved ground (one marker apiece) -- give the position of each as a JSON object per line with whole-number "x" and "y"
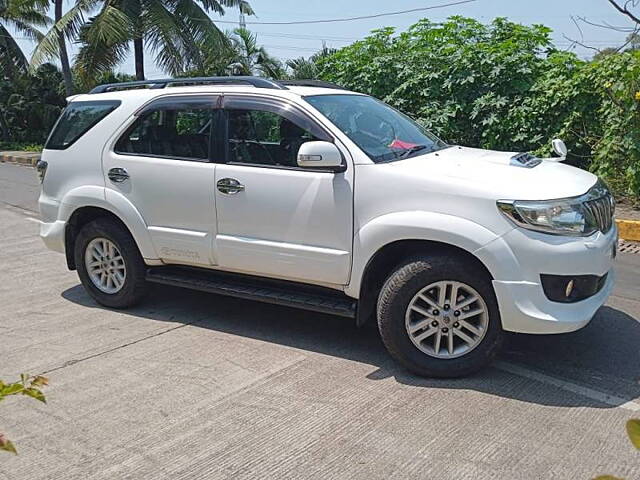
{"x": 19, "y": 186}
{"x": 194, "y": 386}
{"x": 24, "y": 158}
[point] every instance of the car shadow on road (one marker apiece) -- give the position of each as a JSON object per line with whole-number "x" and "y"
{"x": 604, "y": 356}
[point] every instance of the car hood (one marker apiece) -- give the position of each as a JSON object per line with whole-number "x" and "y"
{"x": 498, "y": 175}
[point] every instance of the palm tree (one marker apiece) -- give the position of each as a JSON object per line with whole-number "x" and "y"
{"x": 251, "y": 58}
{"x": 23, "y": 16}
{"x": 307, "y": 68}
{"x": 302, "y": 68}
{"x": 172, "y": 29}
{"x": 65, "y": 27}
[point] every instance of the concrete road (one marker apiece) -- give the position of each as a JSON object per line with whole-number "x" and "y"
{"x": 19, "y": 186}
{"x": 196, "y": 386}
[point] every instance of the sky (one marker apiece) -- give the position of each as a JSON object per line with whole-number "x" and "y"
{"x": 292, "y": 41}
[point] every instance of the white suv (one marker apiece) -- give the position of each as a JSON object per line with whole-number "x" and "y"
{"x": 307, "y": 195}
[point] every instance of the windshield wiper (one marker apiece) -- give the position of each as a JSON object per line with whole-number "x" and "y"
{"x": 412, "y": 150}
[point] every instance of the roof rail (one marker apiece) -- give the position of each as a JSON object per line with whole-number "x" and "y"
{"x": 257, "y": 82}
{"x": 310, "y": 83}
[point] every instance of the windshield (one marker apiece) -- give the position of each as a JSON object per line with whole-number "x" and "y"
{"x": 380, "y": 131}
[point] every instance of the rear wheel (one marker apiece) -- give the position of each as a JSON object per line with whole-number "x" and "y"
{"x": 109, "y": 264}
{"x": 439, "y": 317}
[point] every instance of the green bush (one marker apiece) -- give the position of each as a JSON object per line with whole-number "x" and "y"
{"x": 21, "y": 146}
{"x": 30, "y": 105}
{"x": 504, "y": 86}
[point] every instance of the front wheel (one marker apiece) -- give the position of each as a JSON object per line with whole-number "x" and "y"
{"x": 109, "y": 264}
{"x": 439, "y": 317}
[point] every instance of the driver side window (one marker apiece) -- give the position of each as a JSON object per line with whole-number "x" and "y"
{"x": 264, "y": 138}
{"x": 267, "y": 132}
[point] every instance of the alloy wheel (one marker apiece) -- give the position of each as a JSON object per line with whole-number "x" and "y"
{"x": 447, "y": 319}
{"x": 105, "y": 265}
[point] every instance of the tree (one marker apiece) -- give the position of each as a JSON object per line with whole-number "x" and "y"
{"x": 23, "y": 16}
{"x": 605, "y": 52}
{"x": 53, "y": 43}
{"x": 251, "y": 58}
{"x": 504, "y": 86}
{"x": 172, "y": 29}
{"x": 307, "y": 68}
{"x": 302, "y": 68}
{"x": 624, "y": 9}
{"x": 30, "y": 104}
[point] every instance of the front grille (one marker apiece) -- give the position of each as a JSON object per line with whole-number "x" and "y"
{"x": 601, "y": 210}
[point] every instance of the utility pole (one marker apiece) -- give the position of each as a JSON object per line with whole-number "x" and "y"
{"x": 243, "y": 21}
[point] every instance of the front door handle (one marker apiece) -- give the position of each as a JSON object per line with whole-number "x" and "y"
{"x": 117, "y": 175}
{"x": 229, "y": 186}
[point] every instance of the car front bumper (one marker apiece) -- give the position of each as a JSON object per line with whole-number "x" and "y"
{"x": 521, "y": 256}
{"x": 525, "y": 308}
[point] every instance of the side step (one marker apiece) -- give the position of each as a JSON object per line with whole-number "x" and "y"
{"x": 290, "y": 294}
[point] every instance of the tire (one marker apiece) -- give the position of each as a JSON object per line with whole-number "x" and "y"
{"x": 129, "y": 262}
{"x": 419, "y": 356}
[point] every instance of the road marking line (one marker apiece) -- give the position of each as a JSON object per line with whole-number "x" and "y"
{"x": 34, "y": 220}
{"x": 587, "y": 392}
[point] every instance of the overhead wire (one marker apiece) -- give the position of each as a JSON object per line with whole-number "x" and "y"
{"x": 351, "y": 19}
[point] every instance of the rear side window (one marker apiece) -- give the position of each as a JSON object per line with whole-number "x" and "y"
{"x": 179, "y": 131}
{"x": 76, "y": 120}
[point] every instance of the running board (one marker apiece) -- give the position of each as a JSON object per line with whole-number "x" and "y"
{"x": 289, "y": 294}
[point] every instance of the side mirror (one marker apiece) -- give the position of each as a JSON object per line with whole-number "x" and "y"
{"x": 559, "y": 148}
{"x": 320, "y": 155}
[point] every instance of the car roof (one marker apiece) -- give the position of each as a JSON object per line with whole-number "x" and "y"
{"x": 142, "y": 95}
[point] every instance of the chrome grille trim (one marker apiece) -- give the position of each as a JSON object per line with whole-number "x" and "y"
{"x": 601, "y": 210}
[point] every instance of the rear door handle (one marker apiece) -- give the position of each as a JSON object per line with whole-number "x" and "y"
{"x": 229, "y": 186}
{"x": 118, "y": 175}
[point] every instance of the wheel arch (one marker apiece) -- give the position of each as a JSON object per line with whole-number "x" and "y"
{"x": 390, "y": 256}
{"x": 85, "y": 208}
{"x": 387, "y": 240}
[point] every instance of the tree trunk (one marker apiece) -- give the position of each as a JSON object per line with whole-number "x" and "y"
{"x": 64, "y": 56}
{"x": 139, "y": 57}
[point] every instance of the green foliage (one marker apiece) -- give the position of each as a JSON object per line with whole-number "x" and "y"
{"x": 84, "y": 83}
{"x": 175, "y": 31}
{"x": 499, "y": 86}
{"x": 460, "y": 78}
{"x": 21, "y": 16}
{"x": 504, "y": 86}
{"x": 29, "y": 386}
{"x": 616, "y": 129}
{"x": 307, "y": 68}
{"x": 249, "y": 58}
{"x": 21, "y": 147}
{"x": 30, "y": 105}
{"x": 633, "y": 430}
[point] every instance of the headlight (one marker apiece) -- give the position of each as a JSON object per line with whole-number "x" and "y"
{"x": 578, "y": 216}
{"x": 560, "y": 217}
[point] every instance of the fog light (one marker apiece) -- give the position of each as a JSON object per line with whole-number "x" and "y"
{"x": 569, "y": 289}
